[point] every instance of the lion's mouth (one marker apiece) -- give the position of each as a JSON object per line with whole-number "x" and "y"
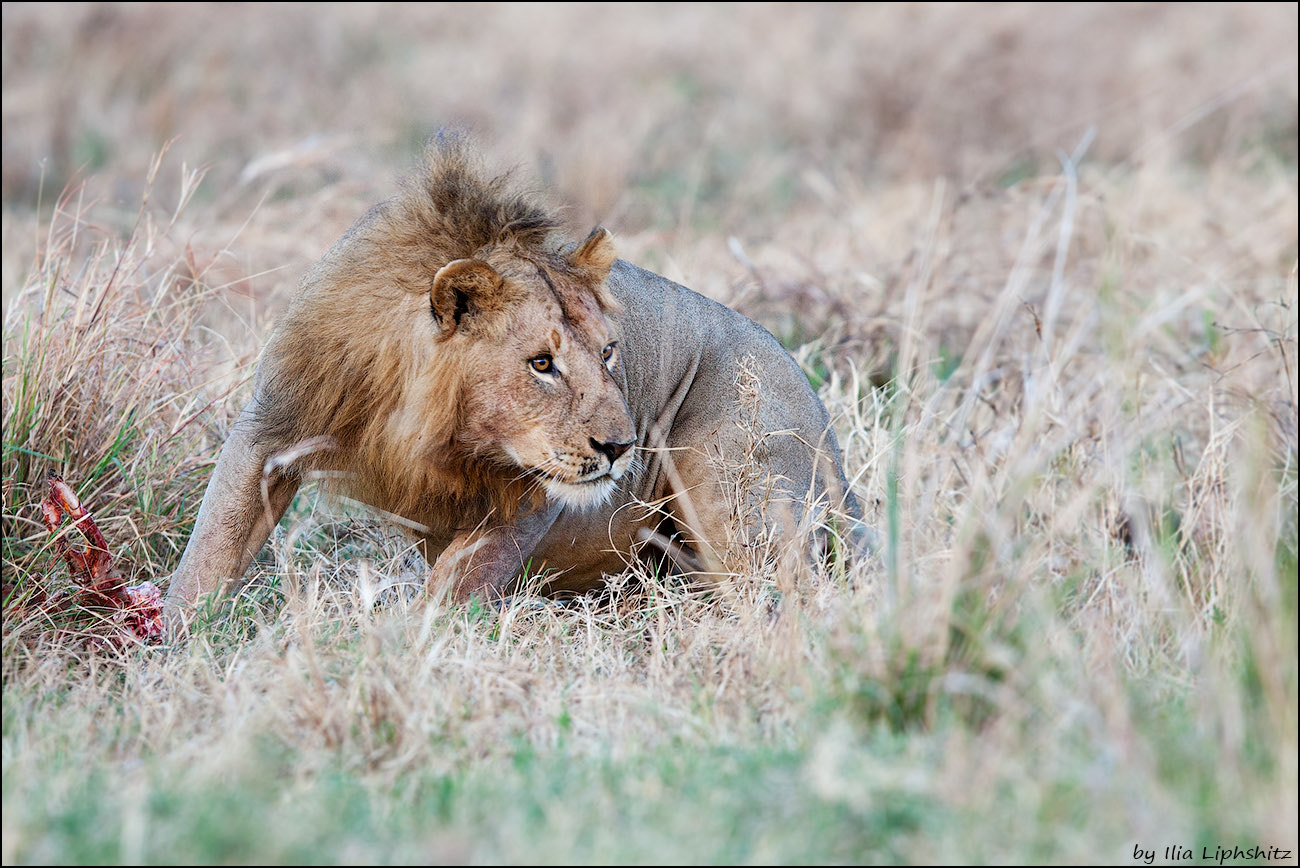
{"x": 593, "y": 488}
{"x": 583, "y": 493}
{"x": 612, "y": 473}
{"x": 590, "y": 480}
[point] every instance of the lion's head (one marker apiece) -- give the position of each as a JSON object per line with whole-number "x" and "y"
{"x": 541, "y": 390}
{"x": 451, "y": 345}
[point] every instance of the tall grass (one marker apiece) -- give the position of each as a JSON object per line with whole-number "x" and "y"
{"x": 1065, "y": 386}
{"x": 103, "y": 382}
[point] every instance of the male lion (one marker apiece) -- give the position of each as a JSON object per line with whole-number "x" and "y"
{"x": 526, "y": 402}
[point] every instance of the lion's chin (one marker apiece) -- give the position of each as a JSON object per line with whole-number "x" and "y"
{"x": 581, "y": 495}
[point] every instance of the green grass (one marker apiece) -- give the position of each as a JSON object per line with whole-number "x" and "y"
{"x": 672, "y": 806}
{"x": 852, "y": 777}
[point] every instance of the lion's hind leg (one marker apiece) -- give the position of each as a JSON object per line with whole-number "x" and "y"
{"x": 733, "y": 506}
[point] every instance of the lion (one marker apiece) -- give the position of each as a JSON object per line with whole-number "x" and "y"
{"x": 528, "y": 403}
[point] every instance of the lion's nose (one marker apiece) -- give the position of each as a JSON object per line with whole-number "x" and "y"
{"x": 611, "y": 449}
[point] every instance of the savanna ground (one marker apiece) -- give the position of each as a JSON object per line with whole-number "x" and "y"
{"x": 1040, "y": 263}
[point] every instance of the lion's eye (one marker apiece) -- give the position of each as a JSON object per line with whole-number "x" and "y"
{"x": 608, "y": 352}
{"x": 543, "y": 364}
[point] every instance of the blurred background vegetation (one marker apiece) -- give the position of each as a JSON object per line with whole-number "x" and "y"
{"x": 1038, "y": 259}
{"x": 647, "y": 117}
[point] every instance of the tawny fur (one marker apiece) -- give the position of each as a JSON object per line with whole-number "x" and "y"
{"x": 454, "y": 360}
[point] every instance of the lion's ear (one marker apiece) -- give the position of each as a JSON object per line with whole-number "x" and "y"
{"x": 596, "y": 253}
{"x": 463, "y": 288}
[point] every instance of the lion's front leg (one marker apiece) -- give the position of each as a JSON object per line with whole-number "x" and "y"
{"x": 241, "y": 506}
{"x": 483, "y": 560}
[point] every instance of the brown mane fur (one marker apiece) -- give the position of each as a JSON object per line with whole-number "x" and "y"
{"x": 356, "y": 346}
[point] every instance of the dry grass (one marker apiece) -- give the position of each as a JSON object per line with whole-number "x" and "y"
{"x": 1041, "y": 265}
